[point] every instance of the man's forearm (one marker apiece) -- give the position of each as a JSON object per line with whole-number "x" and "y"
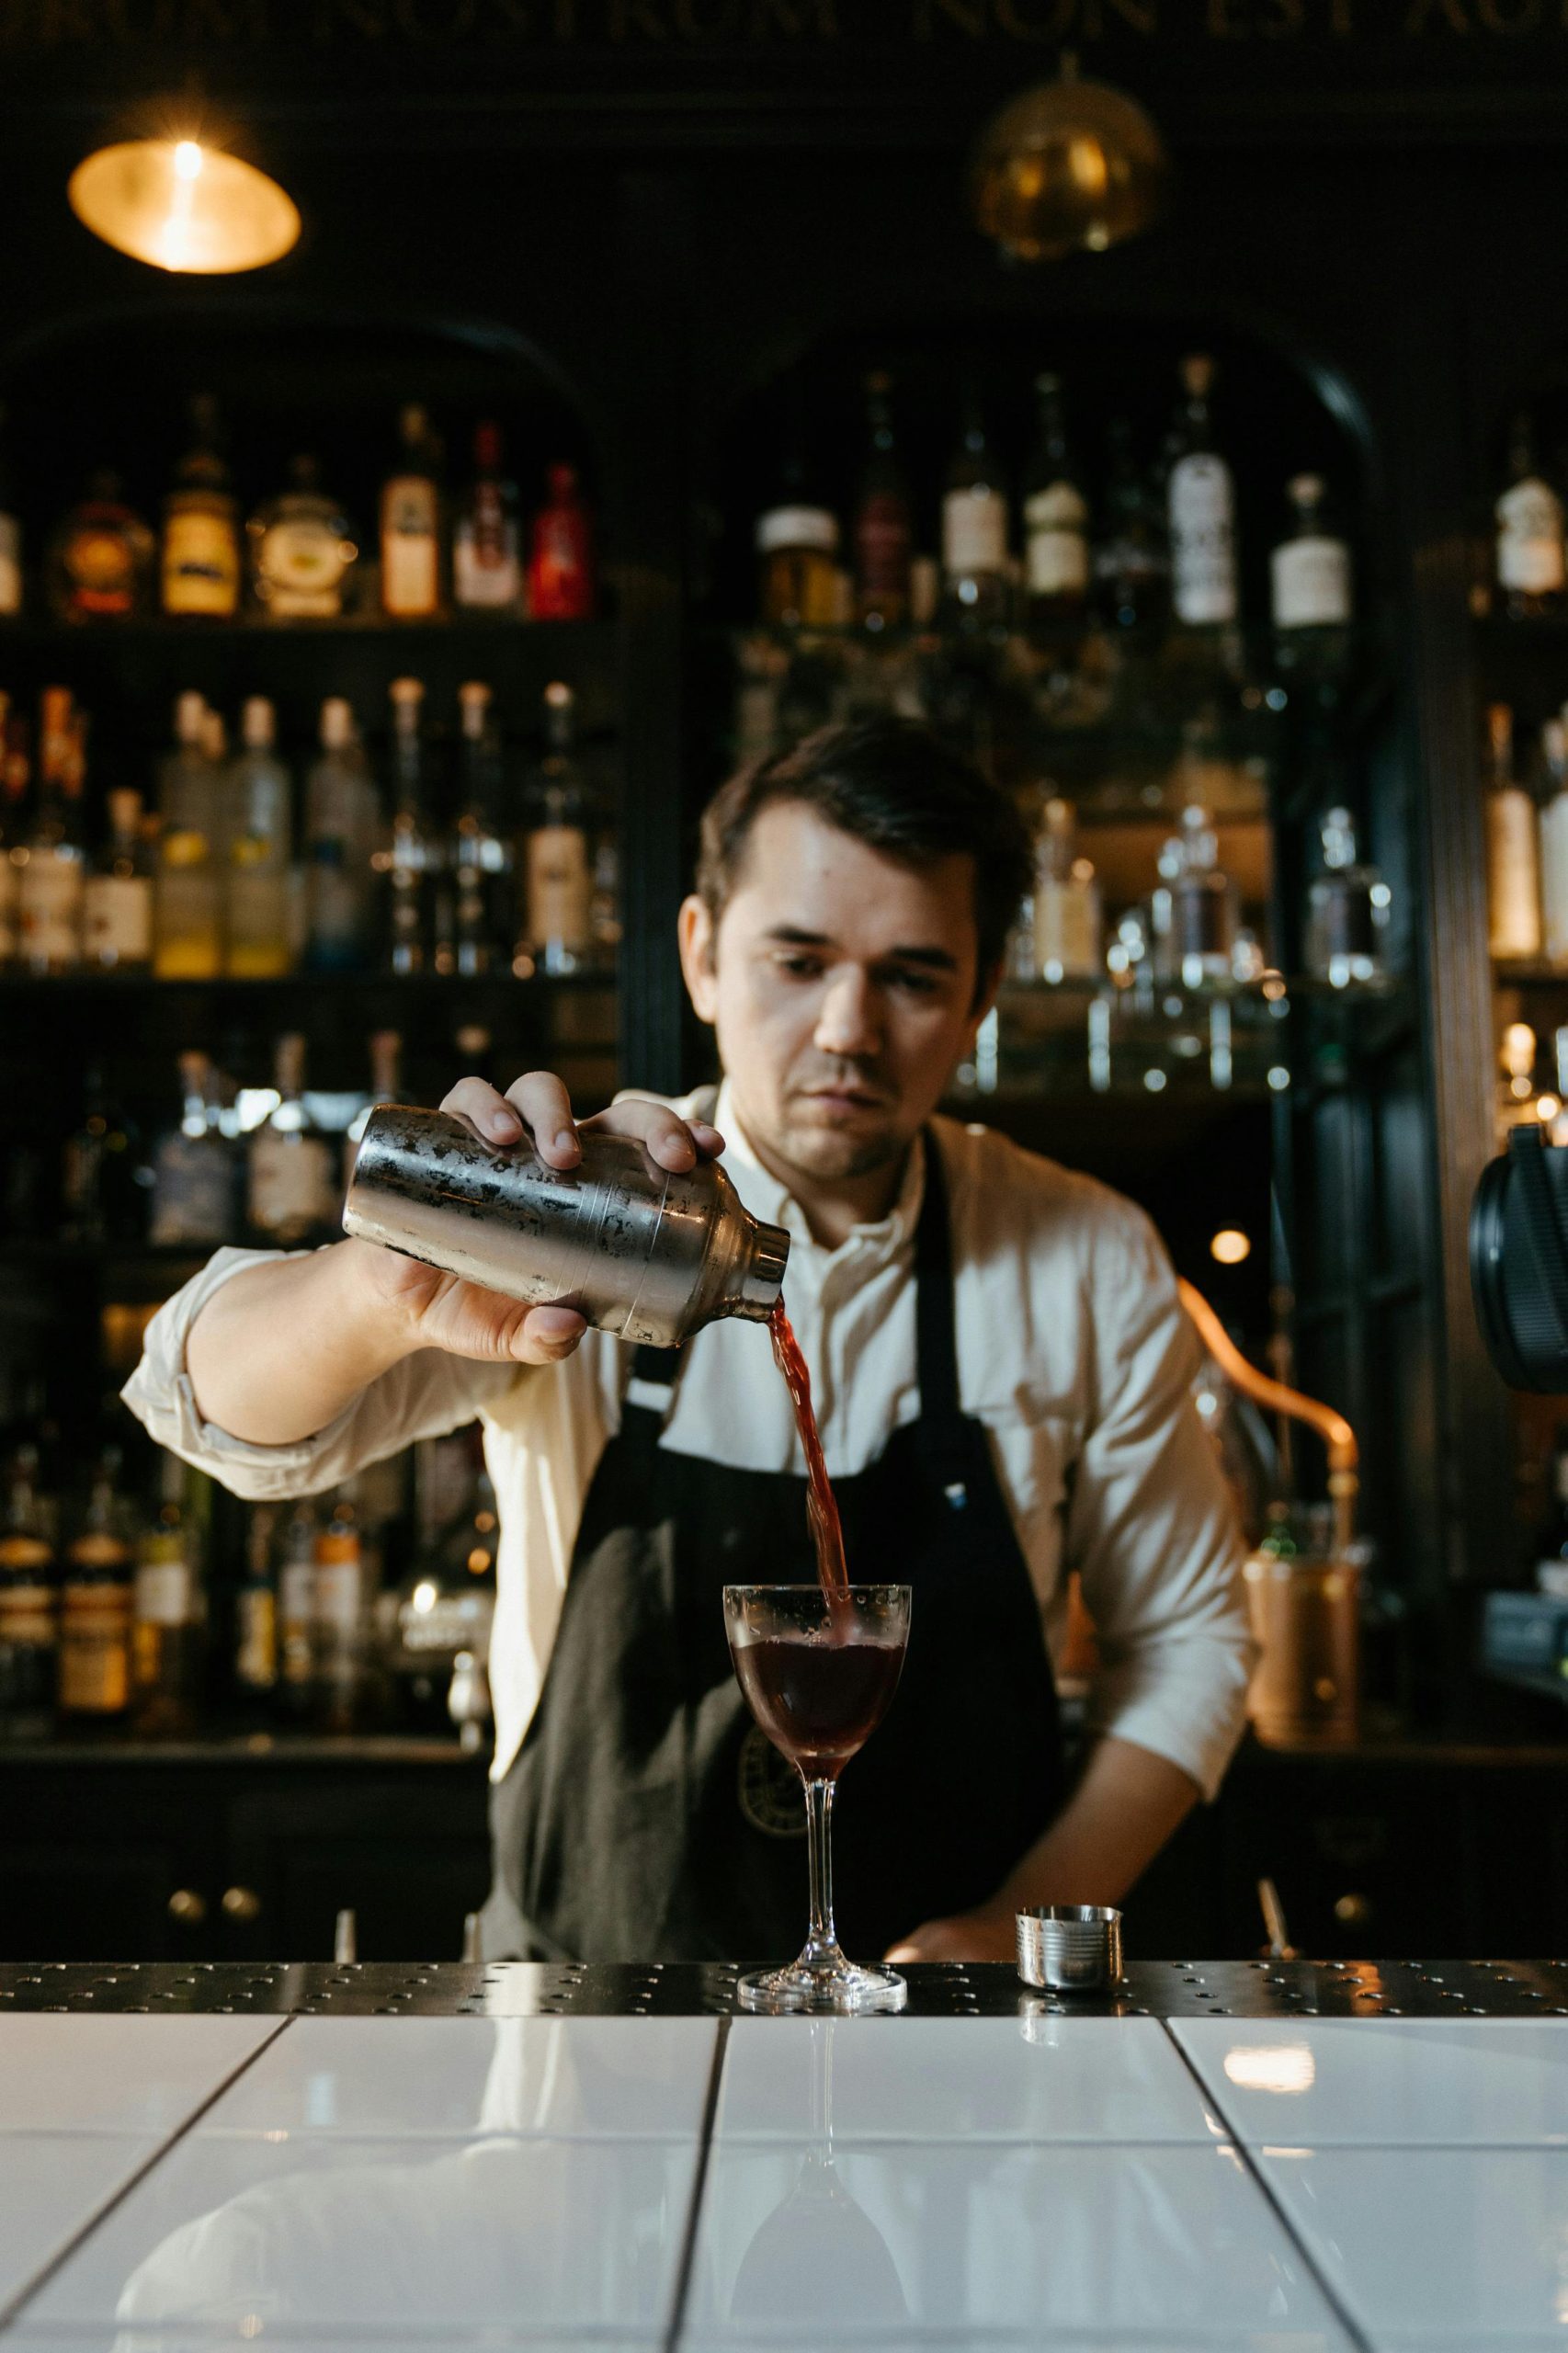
{"x": 280, "y": 1350}
{"x": 1128, "y": 1802}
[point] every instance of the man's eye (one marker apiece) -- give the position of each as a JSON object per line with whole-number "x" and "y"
{"x": 803, "y": 968}
{"x": 916, "y": 983}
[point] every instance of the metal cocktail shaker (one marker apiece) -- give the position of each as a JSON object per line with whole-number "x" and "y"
{"x": 637, "y": 1249}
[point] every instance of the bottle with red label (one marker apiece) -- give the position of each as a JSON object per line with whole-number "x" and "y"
{"x": 561, "y": 552}
{"x": 487, "y": 571}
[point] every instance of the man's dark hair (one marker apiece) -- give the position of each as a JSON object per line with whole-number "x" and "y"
{"x": 893, "y": 785}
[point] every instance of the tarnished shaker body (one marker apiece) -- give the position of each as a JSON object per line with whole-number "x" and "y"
{"x": 639, "y": 1250}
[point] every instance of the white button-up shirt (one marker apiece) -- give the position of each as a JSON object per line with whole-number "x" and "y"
{"x": 1073, "y": 1352}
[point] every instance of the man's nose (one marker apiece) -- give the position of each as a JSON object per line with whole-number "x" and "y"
{"x": 850, "y": 1019}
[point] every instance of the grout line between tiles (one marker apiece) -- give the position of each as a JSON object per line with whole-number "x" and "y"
{"x": 11, "y": 2310}
{"x": 1245, "y": 2158}
{"x": 699, "y": 2183}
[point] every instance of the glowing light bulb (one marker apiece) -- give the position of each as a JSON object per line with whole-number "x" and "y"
{"x": 188, "y": 160}
{"x": 1229, "y": 1246}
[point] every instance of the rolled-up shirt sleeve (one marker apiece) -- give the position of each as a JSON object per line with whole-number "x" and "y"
{"x": 1152, "y": 1533}
{"x": 424, "y": 1396}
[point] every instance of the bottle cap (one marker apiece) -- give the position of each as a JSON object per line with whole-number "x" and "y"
{"x": 257, "y": 723}
{"x": 191, "y": 709}
{"x": 125, "y": 809}
{"x": 797, "y": 527}
{"x": 406, "y": 694}
{"x": 473, "y": 698}
{"x": 1304, "y": 490}
{"x": 214, "y": 736}
{"x": 336, "y": 723}
{"x": 1197, "y": 375}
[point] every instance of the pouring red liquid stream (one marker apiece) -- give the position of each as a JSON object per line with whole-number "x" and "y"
{"x": 822, "y": 1508}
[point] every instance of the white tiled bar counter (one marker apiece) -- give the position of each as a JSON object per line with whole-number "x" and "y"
{"x": 1288, "y": 2159}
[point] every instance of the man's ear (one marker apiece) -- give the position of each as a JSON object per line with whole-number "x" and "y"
{"x": 695, "y": 931}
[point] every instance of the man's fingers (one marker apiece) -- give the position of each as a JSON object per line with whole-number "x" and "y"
{"x": 675, "y": 1144}
{"x": 476, "y": 1099}
{"x": 547, "y": 1334}
{"x": 543, "y": 1102}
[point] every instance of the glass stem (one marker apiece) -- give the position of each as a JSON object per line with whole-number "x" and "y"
{"x": 823, "y": 1938}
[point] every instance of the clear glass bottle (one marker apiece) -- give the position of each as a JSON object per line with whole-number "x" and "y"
{"x": 194, "y": 1170}
{"x": 342, "y": 827}
{"x": 488, "y": 540}
{"x": 1131, "y": 561}
{"x": 169, "y": 1614}
{"x": 1069, "y": 942}
{"x": 483, "y": 883}
{"x": 410, "y": 861}
{"x": 797, "y": 553}
{"x": 1348, "y": 911}
{"x": 444, "y": 1609}
{"x": 411, "y": 522}
{"x": 1513, "y": 849}
{"x": 187, "y": 915}
{"x": 562, "y": 585}
{"x": 117, "y": 897}
{"x": 297, "y": 1613}
{"x": 1056, "y": 517}
{"x": 882, "y": 535}
{"x": 1201, "y": 500}
{"x": 201, "y": 572}
{"x": 30, "y": 1604}
{"x": 1203, "y": 906}
{"x": 257, "y": 928}
{"x": 976, "y": 576}
{"x": 96, "y": 1607}
{"x": 558, "y": 879}
{"x": 292, "y": 1175}
{"x": 341, "y": 1632}
{"x": 100, "y": 557}
{"x": 1529, "y": 546}
{"x": 1310, "y": 585}
{"x": 53, "y": 871}
{"x": 303, "y": 550}
{"x": 386, "y": 1079}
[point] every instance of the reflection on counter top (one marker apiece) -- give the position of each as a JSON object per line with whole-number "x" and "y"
{"x": 247, "y": 1748}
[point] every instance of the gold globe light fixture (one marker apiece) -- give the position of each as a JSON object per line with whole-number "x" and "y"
{"x": 1068, "y": 166}
{"x": 184, "y": 206}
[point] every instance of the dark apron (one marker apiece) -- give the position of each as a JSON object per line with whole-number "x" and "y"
{"x": 645, "y": 1818}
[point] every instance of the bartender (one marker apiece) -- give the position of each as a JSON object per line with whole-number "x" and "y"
{"x": 1003, "y": 1377}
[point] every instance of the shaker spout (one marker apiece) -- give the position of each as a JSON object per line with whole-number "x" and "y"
{"x": 762, "y": 1277}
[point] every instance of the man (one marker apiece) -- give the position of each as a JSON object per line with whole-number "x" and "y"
{"x": 1002, "y": 1371}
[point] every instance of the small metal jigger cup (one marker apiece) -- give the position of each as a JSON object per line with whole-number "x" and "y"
{"x": 1070, "y": 1947}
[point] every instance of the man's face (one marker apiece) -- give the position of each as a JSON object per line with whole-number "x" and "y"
{"x": 842, "y": 987}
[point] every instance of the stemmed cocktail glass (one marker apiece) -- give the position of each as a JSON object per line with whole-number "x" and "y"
{"x": 818, "y": 1672}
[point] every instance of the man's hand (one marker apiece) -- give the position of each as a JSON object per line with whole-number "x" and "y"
{"x": 989, "y": 1933}
{"x": 438, "y": 1310}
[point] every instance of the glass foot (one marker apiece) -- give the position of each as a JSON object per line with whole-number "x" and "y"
{"x": 821, "y": 1986}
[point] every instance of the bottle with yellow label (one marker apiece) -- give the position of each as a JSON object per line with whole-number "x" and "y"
{"x": 201, "y": 572}
{"x": 29, "y": 1629}
{"x": 188, "y": 900}
{"x": 168, "y": 1626}
{"x": 95, "y": 1612}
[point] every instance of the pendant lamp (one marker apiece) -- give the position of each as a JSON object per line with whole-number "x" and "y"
{"x": 183, "y": 205}
{"x": 1067, "y": 166}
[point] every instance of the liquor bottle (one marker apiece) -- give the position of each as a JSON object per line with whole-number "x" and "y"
{"x": 291, "y": 1179}
{"x": 1203, "y": 906}
{"x": 1513, "y": 856}
{"x": 1517, "y": 1097}
{"x": 444, "y": 1606}
{"x": 341, "y": 1627}
{"x": 881, "y": 530}
{"x": 974, "y": 530}
{"x": 604, "y": 900}
{"x": 411, "y": 860}
{"x": 561, "y": 552}
{"x": 1347, "y": 910}
{"x": 187, "y": 911}
{"x": 557, "y": 882}
{"x": 53, "y": 871}
{"x": 14, "y": 777}
{"x": 487, "y": 566}
{"x": 1554, "y": 841}
{"x": 100, "y": 559}
{"x": 411, "y": 522}
{"x": 255, "y": 1613}
{"x": 195, "y": 1171}
{"x": 1056, "y": 517}
{"x": 168, "y": 1621}
{"x": 95, "y": 1607}
{"x": 341, "y": 826}
{"x": 797, "y": 550}
{"x": 297, "y": 1614}
{"x": 30, "y": 1607}
{"x": 201, "y": 569}
{"x": 1310, "y": 585}
{"x": 117, "y": 897}
{"x": 103, "y": 1188}
{"x": 303, "y": 550}
{"x": 483, "y": 891}
{"x": 1202, "y": 497}
{"x": 1068, "y": 925}
{"x": 257, "y": 943}
{"x": 1531, "y": 570}
{"x": 1131, "y": 564}
{"x": 386, "y": 1064}
{"x": 11, "y": 576}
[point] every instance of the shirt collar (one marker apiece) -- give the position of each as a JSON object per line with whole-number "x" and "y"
{"x": 769, "y": 1199}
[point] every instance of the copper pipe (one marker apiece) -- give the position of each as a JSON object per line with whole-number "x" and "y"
{"x": 1338, "y": 1438}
